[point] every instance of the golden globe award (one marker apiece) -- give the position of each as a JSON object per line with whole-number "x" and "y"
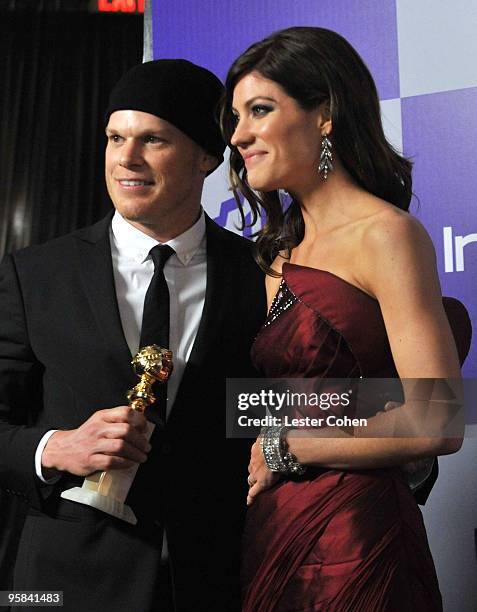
{"x": 107, "y": 491}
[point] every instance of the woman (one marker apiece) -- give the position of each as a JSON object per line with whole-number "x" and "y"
{"x": 353, "y": 292}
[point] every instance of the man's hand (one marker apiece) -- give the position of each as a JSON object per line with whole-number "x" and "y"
{"x": 260, "y": 477}
{"x": 110, "y": 439}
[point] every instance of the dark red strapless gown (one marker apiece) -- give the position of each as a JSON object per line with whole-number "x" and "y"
{"x": 340, "y": 541}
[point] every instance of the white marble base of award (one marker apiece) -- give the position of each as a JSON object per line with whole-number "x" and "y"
{"x": 107, "y": 491}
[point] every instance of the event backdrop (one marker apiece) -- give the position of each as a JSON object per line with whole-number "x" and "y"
{"x": 422, "y": 55}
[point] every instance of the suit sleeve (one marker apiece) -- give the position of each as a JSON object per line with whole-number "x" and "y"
{"x": 20, "y": 394}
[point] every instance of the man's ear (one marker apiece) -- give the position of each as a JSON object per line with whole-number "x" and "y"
{"x": 208, "y": 163}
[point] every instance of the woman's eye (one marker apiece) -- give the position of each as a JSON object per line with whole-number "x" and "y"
{"x": 115, "y": 138}
{"x": 259, "y": 110}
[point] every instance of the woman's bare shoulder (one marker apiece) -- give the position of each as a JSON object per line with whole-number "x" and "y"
{"x": 279, "y": 260}
{"x": 272, "y": 283}
{"x": 391, "y": 245}
{"x": 392, "y": 228}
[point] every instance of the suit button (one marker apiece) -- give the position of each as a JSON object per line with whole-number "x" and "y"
{"x": 157, "y": 523}
{"x": 166, "y": 448}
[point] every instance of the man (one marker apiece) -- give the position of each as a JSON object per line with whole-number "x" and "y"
{"x": 71, "y": 317}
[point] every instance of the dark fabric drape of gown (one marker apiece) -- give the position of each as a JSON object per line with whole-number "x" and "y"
{"x": 340, "y": 541}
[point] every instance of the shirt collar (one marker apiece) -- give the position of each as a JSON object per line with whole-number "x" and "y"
{"x": 134, "y": 244}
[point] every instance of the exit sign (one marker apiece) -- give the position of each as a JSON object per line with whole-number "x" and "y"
{"x": 121, "y": 6}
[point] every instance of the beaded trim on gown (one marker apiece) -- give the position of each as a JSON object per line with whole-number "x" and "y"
{"x": 335, "y": 541}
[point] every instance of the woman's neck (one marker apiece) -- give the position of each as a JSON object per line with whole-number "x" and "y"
{"x": 330, "y": 203}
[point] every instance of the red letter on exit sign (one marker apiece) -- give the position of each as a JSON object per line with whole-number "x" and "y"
{"x": 121, "y": 6}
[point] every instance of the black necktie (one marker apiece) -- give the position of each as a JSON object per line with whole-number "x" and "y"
{"x": 155, "y": 318}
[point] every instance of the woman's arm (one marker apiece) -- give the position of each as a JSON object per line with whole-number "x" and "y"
{"x": 397, "y": 265}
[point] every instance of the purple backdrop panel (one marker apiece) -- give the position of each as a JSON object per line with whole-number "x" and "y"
{"x": 213, "y": 33}
{"x": 436, "y": 129}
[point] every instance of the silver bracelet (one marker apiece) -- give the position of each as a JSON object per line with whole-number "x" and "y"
{"x": 276, "y": 454}
{"x": 270, "y": 441}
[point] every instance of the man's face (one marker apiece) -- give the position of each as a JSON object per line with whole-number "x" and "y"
{"x": 154, "y": 172}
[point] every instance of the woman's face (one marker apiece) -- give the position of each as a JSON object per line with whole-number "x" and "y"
{"x": 278, "y": 140}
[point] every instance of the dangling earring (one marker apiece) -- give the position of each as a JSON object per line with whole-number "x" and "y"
{"x": 326, "y": 157}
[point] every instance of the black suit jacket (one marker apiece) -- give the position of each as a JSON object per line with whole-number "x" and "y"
{"x": 63, "y": 356}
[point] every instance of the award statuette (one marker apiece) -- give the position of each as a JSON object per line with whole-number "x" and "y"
{"x": 108, "y": 490}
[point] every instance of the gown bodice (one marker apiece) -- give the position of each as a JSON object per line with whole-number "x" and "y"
{"x": 320, "y": 325}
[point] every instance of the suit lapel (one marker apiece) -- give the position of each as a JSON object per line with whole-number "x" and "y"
{"x": 216, "y": 297}
{"x": 96, "y": 271}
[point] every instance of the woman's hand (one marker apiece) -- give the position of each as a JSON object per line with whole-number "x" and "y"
{"x": 413, "y": 467}
{"x": 260, "y": 477}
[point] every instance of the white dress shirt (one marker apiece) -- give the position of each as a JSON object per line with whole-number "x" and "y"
{"x": 185, "y": 273}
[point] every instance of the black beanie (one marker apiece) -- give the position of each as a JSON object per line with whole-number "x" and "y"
{"x": 178, "y": 91}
